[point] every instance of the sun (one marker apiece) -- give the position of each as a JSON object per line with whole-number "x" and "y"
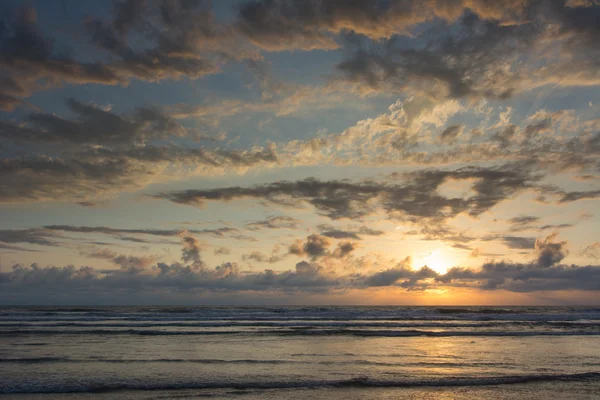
{"x": 438, "y": 260}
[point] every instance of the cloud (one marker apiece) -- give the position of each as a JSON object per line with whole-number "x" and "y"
{"x": 191, "y": 250}
{"x": 418, "y": 197}
{"x": 582, "y": 195}
{"x": 180, "y": 39}
{"x": 118, "y": 232}
{"x": 311, "y": 24}
{"x": 273, "y": 223}
{"x": 222, "y": 251}
{"x": 343, "y": 249}
{"x": 94, "y": 125}
{"x": 35, "y": 236}
{"x": 451, "y": 134}
{"x": 136, "y": 276}
{"x": 518, "y": 242}
{"x": 275, "y": 256}
{"x": 98, "y": 173}
{"x": 317, "y": 246}
{"x": 523, "y": 220}
{"x": 591, "y": 251}
{"x": 549, "y": 252}
{"x": 490, "y": 52}
{"x": 314, "y": 246}
{"x": 350, "y": 232}
{"x": 130, "y": 263}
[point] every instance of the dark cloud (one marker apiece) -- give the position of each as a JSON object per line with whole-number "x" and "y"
{"x": 489, "y": 51}
{"x": 219, "y": 232}
{"x": 340, "y": 234}
{"x": 343, "y": 199}
{"x": 450, "y": 134}
{"x": 557, "y": 226}
{"x": 136, "y": 276}
{"x": 518, "y": 242}
{"x": 314, "y": 246}
{"x": 222, "y": 251}
{"x": 273, "y": 223}
{"x": 550, "y": 252}
{"x": 95, "y": 125}
{"x": 35, "y": 236}
{"x": 132, "y": 264}
{"x": 523, "y": 220}
{"x": 31, "y": 58}
{"x": 100, "y": 172}
{"x": 348, "y": 233}
{"x": 191, "y": 250}
{"x": 532, "y": 131}
{"x": 343, "y": 249}
{"x": 591, "y": 251}
{"x": 582, "y": 195}
{"x": 390, "y": 277}
{"x": 180, "y": 39}
{"x": 311, "y": 24}
{"x": 275, "y": 256}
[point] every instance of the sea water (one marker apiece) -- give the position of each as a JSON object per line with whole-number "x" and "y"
{"x": 299, "y": 352}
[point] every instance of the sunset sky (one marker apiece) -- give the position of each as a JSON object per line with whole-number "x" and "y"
{"x": 300, "y": 152}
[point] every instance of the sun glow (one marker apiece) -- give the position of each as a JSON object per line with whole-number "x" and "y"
{"x": 438, "y": 261}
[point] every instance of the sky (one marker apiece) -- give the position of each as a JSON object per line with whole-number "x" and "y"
{"x": 300, "y": 152}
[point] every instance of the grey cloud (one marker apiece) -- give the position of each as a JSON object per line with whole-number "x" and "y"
{"x": 273, "y": 223}
{"x": 101, "y": 171}
{"x": 451, "y": 134}
{"x": 469, "y": 63}
{"x": 310, "y": 24}
{"x": 222, "y": 251}
{"x": 31, "y": 57}
{"x": 523, "y": 220}
{"x": 191, "y": 250}
{"x": 581, "y": 195}
{"x": 348, "y": 233}
{"x": 418, "y": 197}
{"x": 557, "y": 226}
{"x": 95, "y": 125}
{"x": 533, "y": 130}
{"x": 505, "y": 135}
{"x": 550, "y": 252}
{"x": 518, "y": 242}
{"x": 305, "y": 277}
{"x": 314, "y": 246}
{"x": 391, "y": 277}
{"x": 525, "y": 277}
{"x": 486, "y": 54}
{"x": 182, "y": 40}
{"x": 340, "y": 234}
{"x": 343, "y": 249}
{"x": 34, "y": 236}
{"x": 219, "y": 232}
{"x": 274, "y": 257}
{"x": 125, "y": 262}
{"x": 591, "y": 251}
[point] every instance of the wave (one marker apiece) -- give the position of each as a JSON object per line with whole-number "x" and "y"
{"x": 304, "y": 331}
{"x": 38, "y": 314}
{"x": 132, "y": 361}
{"x": 253, "y": 361}
{"x": 300, "y": 324}
{"x": 359, "y": 382}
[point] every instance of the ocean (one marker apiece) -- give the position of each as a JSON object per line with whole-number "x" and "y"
{"x": 299, "y": 352}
